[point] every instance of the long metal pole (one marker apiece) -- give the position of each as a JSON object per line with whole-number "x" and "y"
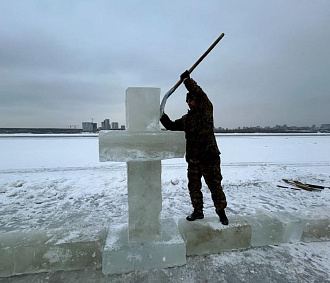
{"x": 168, "y": 94}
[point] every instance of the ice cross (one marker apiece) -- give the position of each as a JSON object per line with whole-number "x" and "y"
{"x": 143, "y": 145}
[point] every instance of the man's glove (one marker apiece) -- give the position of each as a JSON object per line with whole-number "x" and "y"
{"x": 164, "y": 118}
{"x": 185, "y": 75}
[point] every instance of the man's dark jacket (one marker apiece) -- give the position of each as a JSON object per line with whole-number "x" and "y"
{"x": 201, "y": 146}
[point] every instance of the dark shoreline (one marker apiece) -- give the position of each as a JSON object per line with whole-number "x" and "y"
{"x": 216, "y": 131}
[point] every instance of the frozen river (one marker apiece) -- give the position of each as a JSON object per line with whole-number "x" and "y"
{"x": 42, "y": 151}
{"x": 49, "y": 182}
{"x": 43, "y": 175}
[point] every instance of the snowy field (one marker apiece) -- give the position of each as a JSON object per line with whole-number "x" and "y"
{"x": 57, "y": 181}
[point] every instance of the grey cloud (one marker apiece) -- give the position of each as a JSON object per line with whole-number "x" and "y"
{"x": 80, "y": 57}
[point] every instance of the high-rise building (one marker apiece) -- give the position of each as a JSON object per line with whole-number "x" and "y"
{"x": 114, "y": 126}
{"x": 106, "y": 124}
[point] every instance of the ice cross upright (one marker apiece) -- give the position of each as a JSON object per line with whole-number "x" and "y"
{"x": 143, "y": 145}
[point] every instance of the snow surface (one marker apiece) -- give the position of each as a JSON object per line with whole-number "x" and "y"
{"x": 51, "y": 181}
{"x": 56, "y": 181}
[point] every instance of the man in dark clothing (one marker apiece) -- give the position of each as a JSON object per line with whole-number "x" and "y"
{"x": 202, "y": 153}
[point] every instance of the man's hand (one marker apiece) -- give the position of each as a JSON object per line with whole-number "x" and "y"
{"x": 163, "y": 118}
{"x": 185, "y": 75}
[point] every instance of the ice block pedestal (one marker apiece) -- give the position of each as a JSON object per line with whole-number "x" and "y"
{"x": 209, "y": 236}
{"x": 146, "y": 242}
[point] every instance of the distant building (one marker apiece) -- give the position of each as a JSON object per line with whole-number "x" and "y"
{"x": 114, "y": 126}
{"x": 105, "y": 124}
{"x": 89, "y": 127}
{"x": 325, "y": 126}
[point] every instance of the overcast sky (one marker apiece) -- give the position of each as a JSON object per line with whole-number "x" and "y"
{"x": 65, "y": 62}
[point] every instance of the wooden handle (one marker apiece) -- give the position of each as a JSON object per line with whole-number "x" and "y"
{"x": 169, "y": 93}
{"x": 201, "y": 58}
{"x": 206, "y": 52}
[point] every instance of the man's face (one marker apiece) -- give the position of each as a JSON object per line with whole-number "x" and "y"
{"x": 191, "y": 103}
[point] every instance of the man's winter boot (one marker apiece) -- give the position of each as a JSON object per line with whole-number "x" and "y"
{"x": 197, "y": 214}
{"x": 222, "y": 216}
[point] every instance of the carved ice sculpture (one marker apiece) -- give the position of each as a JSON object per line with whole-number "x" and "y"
{"x": 150, "y": 242}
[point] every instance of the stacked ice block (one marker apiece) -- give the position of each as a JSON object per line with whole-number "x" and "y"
{"x": 146, "y": 242}
{"x": 260, "y": 229}
{"x": 121, "y": 255}
{"x": 51, "y": 250}
{"x": 209, "y": 236}
{"x": 63, "y": 249}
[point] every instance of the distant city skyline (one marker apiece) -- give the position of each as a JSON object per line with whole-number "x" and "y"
{"x": 118, "y": 126}
{"x": 63, "y": 62}
{"x": 91, "y": 127}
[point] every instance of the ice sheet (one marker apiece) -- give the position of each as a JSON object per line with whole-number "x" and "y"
{"x": 122, "y": 256}
{"x": 209, "y": 236}
{"x": 133, "y": 146}
{"x": 56, "y": 249}
{"x": 142, "y": 109}
{"x": 144, "y": 200}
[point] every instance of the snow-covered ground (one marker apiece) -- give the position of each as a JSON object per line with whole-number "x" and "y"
{"x": 57, "y": 181}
